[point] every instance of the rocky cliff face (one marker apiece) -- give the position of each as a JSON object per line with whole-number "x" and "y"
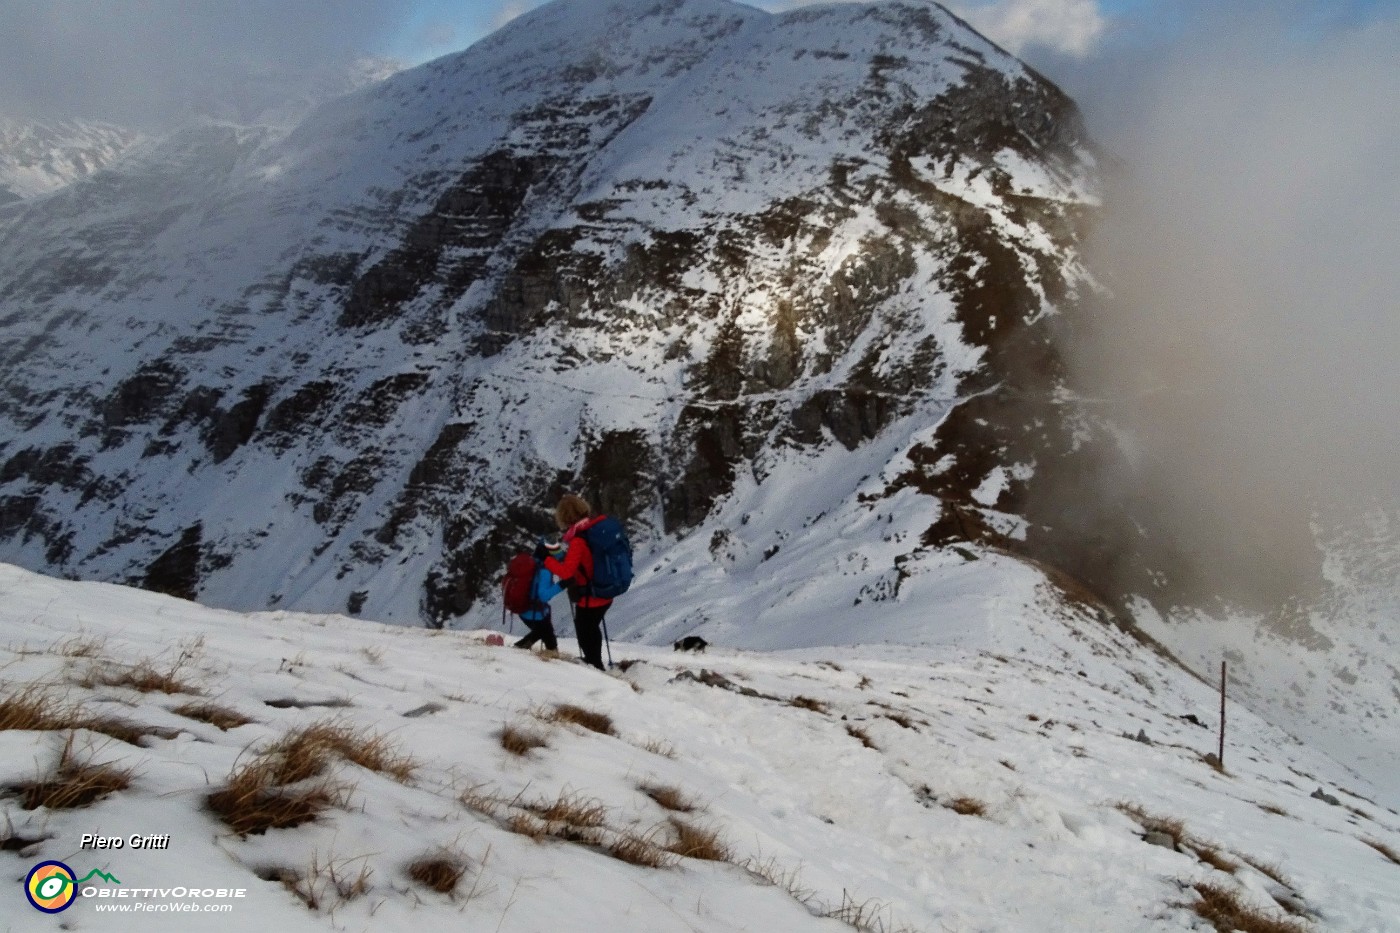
{"x": 662, "y": 253}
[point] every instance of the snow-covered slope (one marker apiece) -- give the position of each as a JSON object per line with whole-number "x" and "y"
{"x": 997, "y": 778}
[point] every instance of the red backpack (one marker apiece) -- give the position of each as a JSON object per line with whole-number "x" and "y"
{"x": 520, "y": 574}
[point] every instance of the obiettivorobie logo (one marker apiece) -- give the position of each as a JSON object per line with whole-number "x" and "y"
{"x": 53, "y": 886}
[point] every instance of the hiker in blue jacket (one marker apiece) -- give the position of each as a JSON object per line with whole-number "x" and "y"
{"x": 537, "y": 618}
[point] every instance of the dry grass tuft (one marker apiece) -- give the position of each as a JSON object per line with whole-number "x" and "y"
{"x": 439, "y": 872}
{"x": 72, "y": 783}
{"x": 36, "y": 709}
{"x": 252, "y": 803}
{"x": 640, "y": 850}
{"x": 315, "y": 886}
{"x": 669, "y": 798}
{"x": 1213, "y": 857}
{"x": 527, "y": 825}
{"x": 310, "y": 747}
{"x": 568, "y": 818}
{"x": 263, "y": 795}
{"x": 967, "y": 806}
{"x": 1225, "y": 911}
{"x": 699, "y": 842}
{"x": 865, "y": 916}
{"x": 298, "y": 756}
{"x": 11, "y": 841}
{"x": 790, "y": 881}
{"x": 219, "y": 716}
{"x": 571, "y": 810}
{"x": 80, "y": 646}
{"x": 143, "y": 677}
{"x": 1174, "y": 828}
{"x": 288, "y": 878}
{"x": 1383, "y": 849}
{"x": 870, "y": 916}
{"x": 803, "y": 702}
{"x": 474, "y": 798}
{"x": 520, "y": 741}
{"x": 578, "y": 716}
{"x": 582, "y": 822}
{"x": 660, "y": 747}
{"x": 1275, "y": 809}
{"x": 900, "y": 719}
{"x": 340, "y": 877}
{"x": 1270, "y": 870}
{"x": 124, "y": 730}
{"x": 856, "y": 732}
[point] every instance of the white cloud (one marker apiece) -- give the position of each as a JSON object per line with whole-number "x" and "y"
{"x": 439, "y": 35}
{"x": 1066, "y": 27}
{"x": 1070, "y": 27}
{"x": 1251, "y": 247}
{"x": 510, "y": 11}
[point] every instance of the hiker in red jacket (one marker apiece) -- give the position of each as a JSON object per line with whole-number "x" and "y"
{"x": 575, "y": 570}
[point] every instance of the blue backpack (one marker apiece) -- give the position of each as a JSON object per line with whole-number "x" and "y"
{"x": 612, "y": 558}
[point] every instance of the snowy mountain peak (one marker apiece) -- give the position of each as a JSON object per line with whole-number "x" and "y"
{"x": 722, "y": 237}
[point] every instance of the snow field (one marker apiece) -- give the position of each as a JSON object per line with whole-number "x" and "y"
{"x": 834, "y": 772}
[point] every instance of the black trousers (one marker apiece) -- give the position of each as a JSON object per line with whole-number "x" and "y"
{"x": 588, "y": 626}
{"x": 540, "y": 630}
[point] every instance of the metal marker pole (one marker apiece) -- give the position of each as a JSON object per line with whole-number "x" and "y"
{"x": 1221, "y": 757}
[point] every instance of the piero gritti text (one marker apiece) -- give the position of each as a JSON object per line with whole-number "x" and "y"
{"x": 134, "y": 841}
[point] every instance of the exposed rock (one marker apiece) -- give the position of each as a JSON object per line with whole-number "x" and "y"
{"x": 176, "y": 571}
{"x": 1325, "y": 797}
{"x": 1160, "y": 839}
{"x": 232, "y": 429}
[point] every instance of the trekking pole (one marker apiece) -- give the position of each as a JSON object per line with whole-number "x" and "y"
{"x": 607, "y": 641}
{"x": 573, "y": 617}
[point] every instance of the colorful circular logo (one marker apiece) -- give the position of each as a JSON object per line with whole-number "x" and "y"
{"x": 51, "y": 887}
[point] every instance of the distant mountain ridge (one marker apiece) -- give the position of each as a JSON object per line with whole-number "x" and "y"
{"x": 41, "y": 156}
{"x": 36, "y": 158}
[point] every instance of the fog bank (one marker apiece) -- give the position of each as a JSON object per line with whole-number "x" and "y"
{"x": 1250, "y": 345}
